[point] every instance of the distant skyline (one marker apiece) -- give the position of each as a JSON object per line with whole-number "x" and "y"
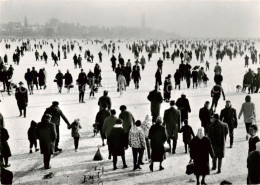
{"x": 188, "y": 18}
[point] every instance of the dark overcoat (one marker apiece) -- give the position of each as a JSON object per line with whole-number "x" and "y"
{"x": 156, "y": 99}
{"x": 217, "y": 132}
{"x": 157, "y": 135}
{"x": 21, "y": 96}
{"x": 172, "y": 120}
{"x": 117, "y": 141}
{"x": 46, "y": 133}
{"x": 199, "y": 152}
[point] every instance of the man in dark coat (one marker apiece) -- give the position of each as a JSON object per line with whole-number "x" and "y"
{"x": 118, "y": 143}
{"x": 128, "y": 119}
{"x": 109, "y": 123}
{"x": 217, "y": 134}
{"x": 253, "y": 165}
{"x": 35, "y": 77}
{"x": 158, "y": 77}
{"x": 155, "y": 97}
{"x": 177, "y": 78}
{"x": 59, "y": 80}
{"x": 136, "y": 77}
{"x": 56, "y": 113}
{"x": 172, "y": 120}
{"x": 257, "y": 80}
{"x": 82, "y": 81}
{"x": 105, "y": 99}
{"x": 100, "y": 119}
{"x": 68, "y": 80}
{"x": 113, "y": 62}
{"x": 200, "y": 148}
{"x": 29, "y": 79}
{"x": 184, "y": 106}
{"x": 204, "y": 115}
{"x": 46, "y": 134}
{"x": 157, "y": 137}
{"x": 21, "y": 96}
{"x": 228, "y": 115}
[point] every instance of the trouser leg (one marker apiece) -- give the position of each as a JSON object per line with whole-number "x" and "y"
{"x": 76, "y": 142}
{"x": 174, "y": 145}
{"x": 214, "y": 161}
{"x": 231, "y": 135}
{"x": 46, "y": 160}
{"x": 148, "y": 148}
{"x": 123, "y": 159}
{"x": 219, "y": 164}
{"x": 58, "y": 137}
{"x": 135, "y": 151}
{"x": 114, "y": 160}
{"x": 140, "y": 156}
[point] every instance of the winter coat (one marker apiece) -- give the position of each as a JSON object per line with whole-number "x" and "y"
{"x": 104, "y": 100}
{"x": 146, "y": 125}
{"x": 229, "y": 116}
{"x": 109, "y": 123}
{"x": 204, "y": 116}
{"x": 136, "y": 75}
{"x": 172, "y": 121}
{"x": 216, "y": 92}
{"x": 252, "y": 143}
{"x": 184, "y": 106}
{"x": 136, "y": 137}
{"x": 167, "y": 88}
{"x": 187, "y": 133}
{"x": 128, "y": 120}
{"x": 21, "y": 96}
{"x": 117, "y": 141}
{"x": 46, "y": 133}
{"x": 59, "y": 78}
{"x": 28, "y": 77}
{"x": 42, "y": 78}
{"x": 248, "y": 79}
{"x": 199, "y": 152}
{"x": 5, "y": 149}
{"x": 121, "y": 82}
{"x": 32, "y": 131}
{"x": 158, "y": 77}
{"x": 218, "y": 79}
{"x": 253, "y": 165}
{"x": 156, "y": 99}
{"x": 248, "y": 109}
{"x": 68, "y": 79}
{"x": 177, "y": 77}
{"x": 35, "y": 76}
{"x": 157, "y": 137}
{"x": 100, "y": 118}
{"x": 217, "y": 132}
{"x": 75, "y": 129}
{"x": 56, "y": 113}
{"x": 257, "y": 79}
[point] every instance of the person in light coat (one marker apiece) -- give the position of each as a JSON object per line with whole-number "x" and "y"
{"x": 137, "y": 142}
{"x": 248, "y": 110}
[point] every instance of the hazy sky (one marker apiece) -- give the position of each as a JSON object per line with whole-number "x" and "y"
{"x": 194, "y": 18}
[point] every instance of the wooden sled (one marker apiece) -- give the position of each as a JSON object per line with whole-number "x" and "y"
{"x": 93, "y": 175}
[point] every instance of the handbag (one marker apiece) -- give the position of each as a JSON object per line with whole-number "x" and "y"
{"x": 190, "y": 168}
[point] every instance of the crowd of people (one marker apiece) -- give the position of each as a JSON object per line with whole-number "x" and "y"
{"x": 147, "y": 137}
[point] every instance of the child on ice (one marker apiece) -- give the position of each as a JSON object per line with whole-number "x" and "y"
{"x": 32, "y": 136}
{"x": 187, "y": 133}
{"x": 75, "y": 126}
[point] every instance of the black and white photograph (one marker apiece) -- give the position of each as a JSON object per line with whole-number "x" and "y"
{"x": 132, "y": 92}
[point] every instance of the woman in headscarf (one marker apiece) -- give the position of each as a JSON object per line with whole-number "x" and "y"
{"x": 200, "y": 148}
